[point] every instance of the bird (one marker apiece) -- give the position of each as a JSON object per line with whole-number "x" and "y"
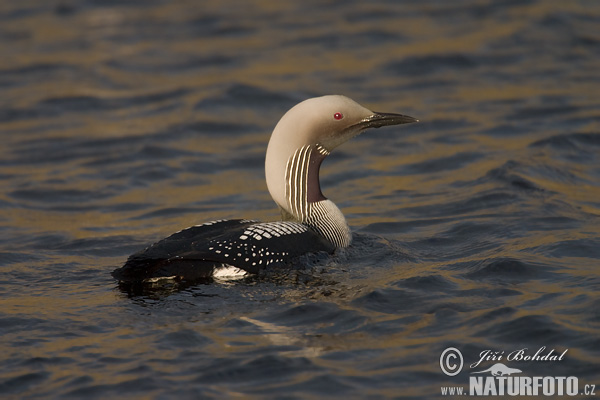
{"x": 310, "y": 223}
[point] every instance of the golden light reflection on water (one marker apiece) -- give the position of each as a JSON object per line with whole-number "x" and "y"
{"x": 120, "y": 56}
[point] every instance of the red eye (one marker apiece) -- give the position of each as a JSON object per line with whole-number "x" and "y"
{"x": 338, "y": 116}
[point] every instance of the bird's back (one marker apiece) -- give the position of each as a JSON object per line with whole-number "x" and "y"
{"x": 206, "y": 250}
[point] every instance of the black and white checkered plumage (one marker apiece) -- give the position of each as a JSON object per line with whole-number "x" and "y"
{"x": 302, "y": 139}
{"x": 226, "y": 249}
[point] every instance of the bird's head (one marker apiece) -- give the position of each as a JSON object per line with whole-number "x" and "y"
{"x": 330, "y": 121}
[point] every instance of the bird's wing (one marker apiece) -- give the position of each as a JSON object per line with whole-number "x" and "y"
{"x": 249, "y": 245}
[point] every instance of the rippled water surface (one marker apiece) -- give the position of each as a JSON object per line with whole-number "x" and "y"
{"x": 478, "y": 228}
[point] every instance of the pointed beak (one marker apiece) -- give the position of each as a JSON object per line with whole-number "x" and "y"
{"x": 377, "y": 120}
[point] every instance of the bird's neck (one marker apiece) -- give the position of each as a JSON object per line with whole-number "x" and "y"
{"x": 303, "y": 200}
{"x": 302, "y": 185}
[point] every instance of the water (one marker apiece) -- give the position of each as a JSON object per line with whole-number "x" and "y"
{"x": 478, "y": 228}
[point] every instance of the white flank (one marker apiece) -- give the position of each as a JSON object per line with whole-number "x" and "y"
{"x": 160, "y": 279}
{"x": 229, "y": 272}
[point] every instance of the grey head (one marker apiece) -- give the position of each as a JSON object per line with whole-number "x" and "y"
{"x": 304, "y": 136}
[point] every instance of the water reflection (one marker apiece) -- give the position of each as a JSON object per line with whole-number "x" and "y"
{"x": 122, "y": 123}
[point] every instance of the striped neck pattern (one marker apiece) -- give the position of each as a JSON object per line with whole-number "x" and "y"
{"x": 306, "y": 203}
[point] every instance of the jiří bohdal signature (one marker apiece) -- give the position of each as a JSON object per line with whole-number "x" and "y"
{"x": 520, "y": 355}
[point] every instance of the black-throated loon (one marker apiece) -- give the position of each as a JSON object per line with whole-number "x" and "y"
{"x": 310, "y": 223}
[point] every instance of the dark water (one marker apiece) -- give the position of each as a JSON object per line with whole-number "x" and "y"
{"x": 478, "y": 228}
